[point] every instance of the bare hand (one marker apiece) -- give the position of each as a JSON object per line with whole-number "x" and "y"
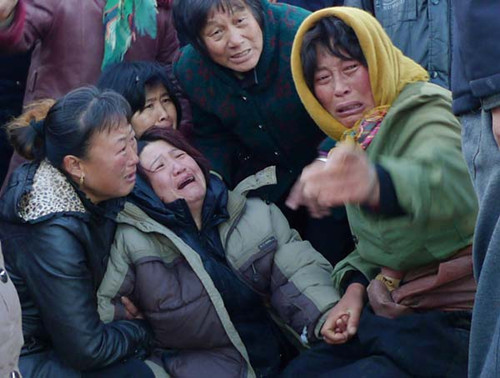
{"x": 6, "y": 8}
{"x": 131, "y": 311}
{"x": 495, "y": 124}
{"x": 343, "y": 320}
{"x": 347, "y": 177}
{"x": 382, "y": 303}
{"x": 297, "y": 199}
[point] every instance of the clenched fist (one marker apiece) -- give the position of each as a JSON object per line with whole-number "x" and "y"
{"x": 346, "y": 177}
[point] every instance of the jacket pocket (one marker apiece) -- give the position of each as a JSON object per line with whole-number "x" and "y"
{"x": 32, "y": 81}
{"x": 257, "y": 269}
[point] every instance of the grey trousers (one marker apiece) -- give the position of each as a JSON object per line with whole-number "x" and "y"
{"x": 483, "y": 160}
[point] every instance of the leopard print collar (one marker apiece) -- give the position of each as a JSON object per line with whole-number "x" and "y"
{"x": 51, "y": 193}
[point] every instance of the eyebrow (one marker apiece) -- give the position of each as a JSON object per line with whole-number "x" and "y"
{"x": 235, "y": 8}
{"x": 124, "y": 138}
{"x": 154, "y": 161}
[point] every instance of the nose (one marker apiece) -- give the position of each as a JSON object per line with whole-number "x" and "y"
{"x": 341, "y": 86}
{"x": 234, "y": 39}
{"x": 133, "y": 157}
{"x": 162, "y": 113}
{"x": 177, "y": 168}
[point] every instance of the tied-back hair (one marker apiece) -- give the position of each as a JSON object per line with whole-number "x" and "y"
{"x": 68, "y": 124}
{"x": 23, "y": 136}
{"x": 176, "y": 139}
{"x": 130, "y": 79}
{"x": 338, "y": 38}
{"x": 191, "y": 16}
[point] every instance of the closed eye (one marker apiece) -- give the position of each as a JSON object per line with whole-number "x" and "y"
{"x": 351, "y": 67}
{"x": 322, "y": 78}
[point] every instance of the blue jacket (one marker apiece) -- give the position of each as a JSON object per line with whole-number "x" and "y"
{"x": 313, "y": 5}
{"x": 420, "y": 28}
{"x": 476, "y": 70}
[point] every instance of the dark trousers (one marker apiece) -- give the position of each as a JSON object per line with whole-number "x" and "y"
{"x": 431, "y": 344}
{"x": 48, "y": 365}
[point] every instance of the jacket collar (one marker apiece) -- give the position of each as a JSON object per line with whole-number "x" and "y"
{"x": 133, "y": 215}
{"x": 177, "y": 214}
{"x": 40, "y": 191}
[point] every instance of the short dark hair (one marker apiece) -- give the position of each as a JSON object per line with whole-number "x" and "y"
{"x": 337, "y": 37}
{"x": 191, "y": 16}
{"x": 66, "y": 127}
{"x": 176, "y": 139}
{"x": 130, "y": 79}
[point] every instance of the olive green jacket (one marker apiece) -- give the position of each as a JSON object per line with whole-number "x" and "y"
{"x": 419, "y": 145}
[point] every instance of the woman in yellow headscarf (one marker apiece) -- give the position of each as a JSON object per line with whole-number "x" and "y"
{"x": 399, "y": 170}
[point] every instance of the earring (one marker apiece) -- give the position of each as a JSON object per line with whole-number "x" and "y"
{"x": 82, "y": 179}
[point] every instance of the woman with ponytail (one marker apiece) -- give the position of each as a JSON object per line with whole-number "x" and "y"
{"x": 57, "y": 226}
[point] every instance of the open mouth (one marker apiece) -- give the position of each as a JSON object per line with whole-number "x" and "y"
{"x": 130, "y": 177}
{"x": 241, "y": 55}
{"x": 350, "y": 108}
{"x": 185, "y": 182}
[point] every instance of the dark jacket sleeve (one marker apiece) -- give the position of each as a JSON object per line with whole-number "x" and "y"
{"x": 216, "y": 143}
{"x": 478, "y": 33}
{"x": 36, "y": 23}
{"x": 168, "y": 42}
{"x": 56, "y": 272}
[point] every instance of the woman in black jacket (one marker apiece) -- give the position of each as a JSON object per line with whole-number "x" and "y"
{"x": 56, "y": 227}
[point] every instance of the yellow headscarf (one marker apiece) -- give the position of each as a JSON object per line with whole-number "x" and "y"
{"x": 389, "y": 69}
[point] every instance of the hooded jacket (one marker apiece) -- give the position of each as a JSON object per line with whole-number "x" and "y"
{"x": 56, "y": 246}
{"x": 187, "y": 306}
{"x": 418, "y": 145}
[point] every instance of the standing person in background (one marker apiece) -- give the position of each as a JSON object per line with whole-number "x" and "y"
{"x": 13, "y": 72}
{"x": 476, "y": 100}
{"x": 419, "y": 28}
{"x": 10, "y": 325}
{"x": 246, "y": 113}
{"x": 57, "y": 223}
{"x": 72, "y": 40}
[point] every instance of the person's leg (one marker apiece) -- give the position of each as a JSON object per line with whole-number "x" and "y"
{"x": 132, "y": 368}
{"x": 323, "y": 358}
{"x": 45, "y": 365}
{"x": 485, "y": 330}
{"x": 345, "y": 360}
{"x": 372, "y": 366}
{"x": 48, "y": 365}
{"x": 429, "y": 344}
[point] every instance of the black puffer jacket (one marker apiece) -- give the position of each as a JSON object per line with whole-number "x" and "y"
{"x": 56, "y": 246}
